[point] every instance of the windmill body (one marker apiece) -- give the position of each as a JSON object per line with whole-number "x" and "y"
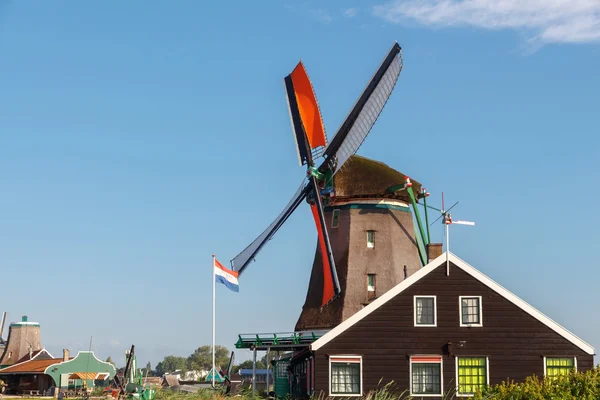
{"x": 372, "y": 235}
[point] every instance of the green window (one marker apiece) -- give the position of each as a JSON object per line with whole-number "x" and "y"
{"x": 559, "y": 366}
{"x": 371, "y": 282}
{"x": 472, "y": 374}
{"x": 370, "y": 239}
{"x": 335, "y": 218}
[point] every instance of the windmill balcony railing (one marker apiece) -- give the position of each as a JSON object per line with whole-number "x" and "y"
{"x": 282, "y": 339}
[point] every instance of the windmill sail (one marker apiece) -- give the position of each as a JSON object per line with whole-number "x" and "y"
{"x": 305, "y": 115}
{"x": 241, "y": 261}
{"x": 365, "y": 112}
{"x": 309, "y": 134}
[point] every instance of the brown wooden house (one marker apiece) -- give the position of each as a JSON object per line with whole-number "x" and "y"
{"x": 443, "y": 329}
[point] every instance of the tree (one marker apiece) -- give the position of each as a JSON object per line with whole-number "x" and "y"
{"x": 201, "y": 358}
{"x": 109, "y": 360}
{"x": 170, "y": 364}
{"x": 148, "y": 370}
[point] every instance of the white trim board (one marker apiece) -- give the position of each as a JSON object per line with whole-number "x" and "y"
{"x": 434, "y": 264}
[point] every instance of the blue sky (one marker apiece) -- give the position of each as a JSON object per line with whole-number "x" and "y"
{"x": 138, "y": 138}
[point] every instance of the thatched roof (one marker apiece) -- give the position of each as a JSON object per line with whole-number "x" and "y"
{"x": 362, "y": 177}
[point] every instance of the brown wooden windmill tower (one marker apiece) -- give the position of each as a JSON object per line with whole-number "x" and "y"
{"x": 364, "y": 225}
{"x": 374, "y": 242}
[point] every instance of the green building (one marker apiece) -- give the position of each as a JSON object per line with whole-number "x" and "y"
{"x": 84, "y": 370}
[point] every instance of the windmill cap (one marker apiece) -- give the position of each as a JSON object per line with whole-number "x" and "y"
{"x": 363, "y": 177}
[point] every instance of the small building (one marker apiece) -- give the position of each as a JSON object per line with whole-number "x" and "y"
{"x": 43, "y": 372}
{"x": 27, "y": 374}
{"x": 261, "y": 375}
{"x": 446, "y": 328}
{"x": 85, "y": 370}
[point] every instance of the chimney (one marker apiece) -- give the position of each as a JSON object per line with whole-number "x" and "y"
{"x": 65, "y": 354}
{"x": 434, "y": 250}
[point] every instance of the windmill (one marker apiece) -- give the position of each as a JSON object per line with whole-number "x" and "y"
{"x": 447, "y": 221}
{"x": 311, "y": 144}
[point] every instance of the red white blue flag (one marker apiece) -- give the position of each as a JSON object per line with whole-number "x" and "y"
{"x": 226, "y": 276}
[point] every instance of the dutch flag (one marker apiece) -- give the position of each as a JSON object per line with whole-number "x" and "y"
{"x": 226, "y": 276}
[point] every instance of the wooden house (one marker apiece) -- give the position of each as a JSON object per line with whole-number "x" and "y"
{"x": 445, "y": 328}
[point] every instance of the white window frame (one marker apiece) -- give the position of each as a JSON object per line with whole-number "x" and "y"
{"x": 336, "y": 358}
{"x": 371, "y": 245}
{"x": 410, "y": 369}
{"x": 460, "y": 313}
{"x": 434, "y": 311}
{"x": 487, "y": 372}
{"x": 573, "y": 357}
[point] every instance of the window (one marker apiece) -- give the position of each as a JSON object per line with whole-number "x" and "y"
{"x": 371, "y": 286}
{"x": 425, "y": 311}
{"x": 470, "y": 311}
{"x": 335, "y": 218}
{"x": 559, "y": 366}
{"x": 370, "y": 239}
{"x": 282, "y": 369}
{"x": 426, "y": 376}
{"x": 345, "y": 376}
{"x": 371, "y": 282}
{"x": 471, "y": 374}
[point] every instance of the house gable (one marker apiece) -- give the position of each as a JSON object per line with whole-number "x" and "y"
{"x": 469, "y": 276}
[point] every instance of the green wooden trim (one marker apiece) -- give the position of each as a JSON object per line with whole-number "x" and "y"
{"x": 426, "y": 218}
{"x": 368, "y": 207}
{"x": 411, "y": 193}
{"x": 422, "y": 252}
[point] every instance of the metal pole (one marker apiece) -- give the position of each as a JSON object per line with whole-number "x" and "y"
{"x": 447, "y": 248}
{"x": 267, "y": 362}
{"x": 426, "y": 217}
{"x": 213, "y": 322}
{"x": 254, "y": 371}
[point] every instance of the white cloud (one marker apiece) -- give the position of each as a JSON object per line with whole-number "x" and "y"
{"x": 350, "y": 12}
{"x": 321, "y": 15}
{"x": 547, "y": 21}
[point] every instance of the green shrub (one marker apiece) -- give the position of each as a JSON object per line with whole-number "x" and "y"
{"x": 575, "y": 386}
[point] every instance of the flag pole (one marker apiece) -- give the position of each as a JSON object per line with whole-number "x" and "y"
{"x": 213, "y": 322}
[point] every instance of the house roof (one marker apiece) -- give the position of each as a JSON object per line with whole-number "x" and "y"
{"x": 248, "y": 371}
{"x": 362, "y": 177}
{"x": 171, "y": 380}
{"x": 439, "y": 261}
{"x": 152, "y": 380}
{"x": 34, "y": 355}
{"x": 83, "y": 375}
{"x": 30, "y": 366}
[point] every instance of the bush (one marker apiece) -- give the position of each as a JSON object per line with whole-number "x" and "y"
{"x": 575, "y": 386}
